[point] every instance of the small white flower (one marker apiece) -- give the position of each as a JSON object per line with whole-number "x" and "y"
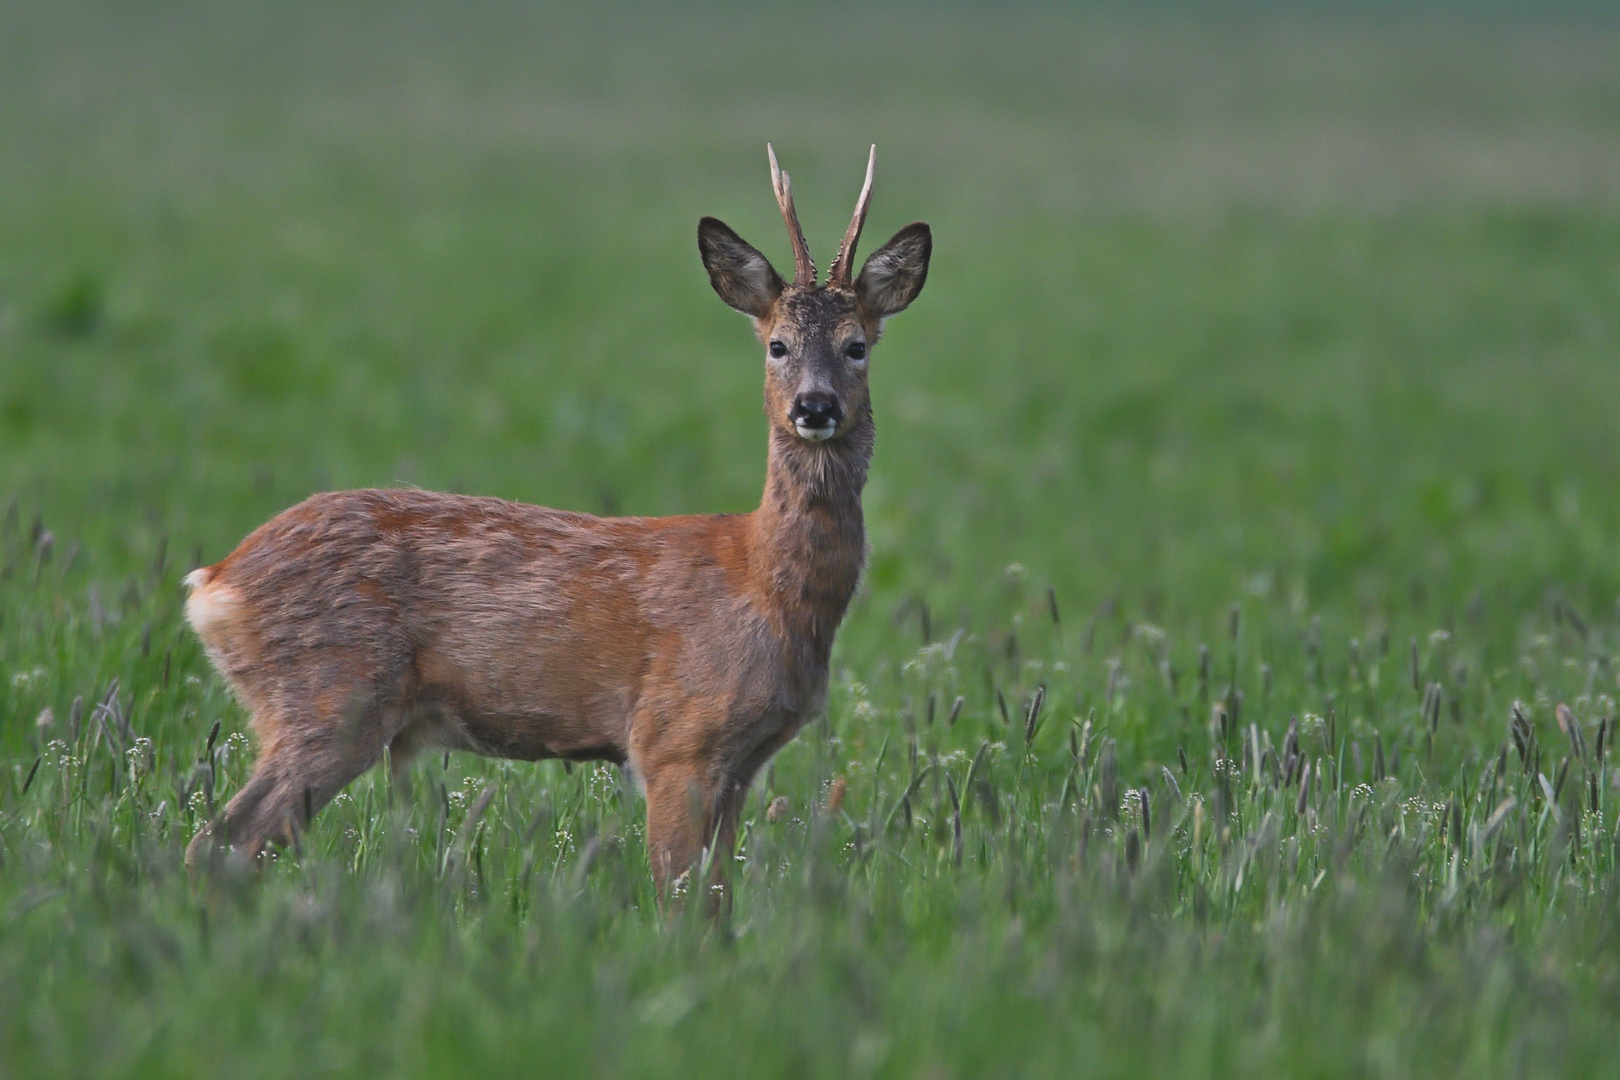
{"x": 23, "y": 678}
{"x": 1149, "y": 634}
{"x": 927, "y": 659}
{"x": 138, "y": 756}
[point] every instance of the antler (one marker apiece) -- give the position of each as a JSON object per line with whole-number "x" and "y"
{"x": 845, "y": 259}
{"x": 804, "y": 268}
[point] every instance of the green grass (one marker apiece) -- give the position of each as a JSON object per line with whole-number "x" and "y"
{"x": 1277, "y": 341}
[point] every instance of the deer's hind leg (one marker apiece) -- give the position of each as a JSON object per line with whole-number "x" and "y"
{"x": 306, "y": 757}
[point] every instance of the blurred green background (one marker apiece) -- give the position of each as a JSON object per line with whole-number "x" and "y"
{"x": 1308, "y": 312}
{"x": 1219, "y": 293}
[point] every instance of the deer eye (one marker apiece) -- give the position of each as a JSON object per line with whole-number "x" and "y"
{"x": 778, "y": 349}
{"x": 855, "y": 350}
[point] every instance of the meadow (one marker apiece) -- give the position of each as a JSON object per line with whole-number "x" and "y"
{"x": 1231, "y": 690}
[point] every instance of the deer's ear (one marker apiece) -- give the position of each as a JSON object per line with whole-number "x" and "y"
{"x": 742, "y": 276}
{"x": 894, "y": 273}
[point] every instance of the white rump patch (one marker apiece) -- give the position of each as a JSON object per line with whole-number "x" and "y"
{"x": 209, "y": 607}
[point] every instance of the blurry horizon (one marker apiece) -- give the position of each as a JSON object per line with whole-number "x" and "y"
{"x": 1165, "y": 109}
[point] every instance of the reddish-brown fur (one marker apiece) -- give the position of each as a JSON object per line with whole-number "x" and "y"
{"x": 689, "y": 649}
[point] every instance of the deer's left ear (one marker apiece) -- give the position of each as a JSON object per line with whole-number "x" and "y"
{"x": 894, "y": 273}
{"x": 742, "y": 276}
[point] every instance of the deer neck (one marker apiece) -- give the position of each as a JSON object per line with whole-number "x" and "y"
{"x": 809, "y": 534}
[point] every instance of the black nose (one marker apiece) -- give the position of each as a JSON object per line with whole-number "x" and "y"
{"x": 816, "y": 411}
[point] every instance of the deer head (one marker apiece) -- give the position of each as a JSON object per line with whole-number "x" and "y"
{"x": 817, "y": 338}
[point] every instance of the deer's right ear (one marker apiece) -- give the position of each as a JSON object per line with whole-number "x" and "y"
{"x": 742, "y": 276}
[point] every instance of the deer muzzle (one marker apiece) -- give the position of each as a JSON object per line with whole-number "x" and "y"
{"x": 816, "y": 416}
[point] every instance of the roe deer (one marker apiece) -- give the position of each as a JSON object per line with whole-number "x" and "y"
{"x": 687, "y": 649}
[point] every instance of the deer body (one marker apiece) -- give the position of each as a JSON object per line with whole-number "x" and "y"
{"x": 688, "y": 649}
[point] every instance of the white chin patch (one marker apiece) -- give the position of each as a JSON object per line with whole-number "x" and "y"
{"x": 816, "y": 434}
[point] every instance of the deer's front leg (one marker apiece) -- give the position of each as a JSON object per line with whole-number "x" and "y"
{"x": 689, "y": 811}
{"x": 687, "y": 760}
{"x": 723, "y": 835}
{"x": 684, "y": 818}
{"x": 678, "y": 812}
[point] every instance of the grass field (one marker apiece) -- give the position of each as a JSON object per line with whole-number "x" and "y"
{"x": 1247, "y": 472}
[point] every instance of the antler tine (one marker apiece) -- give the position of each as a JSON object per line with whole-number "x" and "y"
{"x": 804, "y": 268}
{"x": 844, "y": 261}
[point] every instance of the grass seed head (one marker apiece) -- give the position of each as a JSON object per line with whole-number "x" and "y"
{"x": 777, "y": 812}
{"x": 1032, "y": 714}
